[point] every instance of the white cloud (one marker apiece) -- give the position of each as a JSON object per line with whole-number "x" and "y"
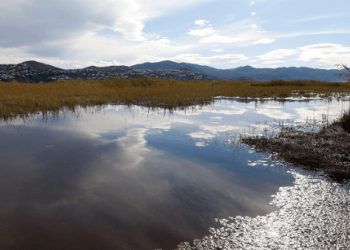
{"x": 240, "y": 39}
{"x": 40, "y": 20}
{"x": 21, "y": 54}
{"x": 308, "y": 19}
{"x": 317, "y": 111}
{"x": 13, "y": 55}
{"x": 238, "y": 33}
{"x": 274, "y": 66}
{"x": 201, "y": 144}
{"x": 216, "y": 50}
{"x": 106, "y": 64}
{"x": 161, "y": 7}
{"x": 71, "y": 30}
{"x": 203, "y": 60}
{"x": 216, "y": 129}
{"x": 325, "y": 53}
{"x": 264, "y": 41}
{"x": 201, "y": 22}
{"x": 94, "y": 126}
{"x": 217, "y": 38}
{"x": 309, "y": 33}
{"x": 235, "y": 111}
{"x": 201, "y": 32}
{"x": 322, "y": 54}
{"x": 201, "y": 135}
{"x": 273, "y": 113}
{"x": 272, "y": 62}
{"x": 90, "y": 48}
{"x": 78, "y": 33}
{"x": 216, "y": 113}
{"x": 277, "y": 54}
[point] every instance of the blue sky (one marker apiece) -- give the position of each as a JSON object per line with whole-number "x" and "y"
{"x": 218, "y": 33}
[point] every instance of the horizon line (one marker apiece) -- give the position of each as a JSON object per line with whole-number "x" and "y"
{"x": 166, "y": 61}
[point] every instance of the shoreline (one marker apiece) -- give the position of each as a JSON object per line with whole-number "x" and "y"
{"x": 327, "y": 150}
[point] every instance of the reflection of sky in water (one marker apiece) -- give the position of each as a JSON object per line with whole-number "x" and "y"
{"x": 130, "y": 178}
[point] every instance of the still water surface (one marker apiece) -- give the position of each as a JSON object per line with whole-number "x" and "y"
{"x": 134, "y": 178}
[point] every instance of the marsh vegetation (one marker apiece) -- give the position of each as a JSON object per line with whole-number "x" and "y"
{"x": 151, "y": 179}
{"x": 132, "y": 176}
{"x": 326, "y": 149}
{"x": 21, "y": 99}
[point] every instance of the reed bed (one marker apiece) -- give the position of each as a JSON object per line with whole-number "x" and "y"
{"x": 20, "y": 99}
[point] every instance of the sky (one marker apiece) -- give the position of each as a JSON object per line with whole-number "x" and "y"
{"x": 219, "y": 33}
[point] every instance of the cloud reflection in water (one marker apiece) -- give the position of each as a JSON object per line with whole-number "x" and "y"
{"x": 130, "y": 178}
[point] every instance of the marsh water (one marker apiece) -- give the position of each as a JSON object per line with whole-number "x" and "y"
{"x": 131, "y": 177}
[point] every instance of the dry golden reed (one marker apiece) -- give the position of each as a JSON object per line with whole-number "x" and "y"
{"x": 28, "y": 98}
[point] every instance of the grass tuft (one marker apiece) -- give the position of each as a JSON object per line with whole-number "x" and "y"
{"x": 327, "y": 150}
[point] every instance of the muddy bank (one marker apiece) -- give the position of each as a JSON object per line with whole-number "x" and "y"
{"x": 327, "y": 151}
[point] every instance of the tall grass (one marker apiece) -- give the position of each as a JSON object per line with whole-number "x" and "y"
{"x": 26, "y": 98}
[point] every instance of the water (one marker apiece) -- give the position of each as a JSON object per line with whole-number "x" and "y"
{"x": 134, "y": 178}
{"x": 314, "y": 214}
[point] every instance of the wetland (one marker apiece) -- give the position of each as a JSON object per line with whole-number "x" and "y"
{"x": 119, "y": 176}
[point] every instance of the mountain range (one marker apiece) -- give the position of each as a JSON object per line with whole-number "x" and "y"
{"x": 257, "y": 74}
{"x": 32, "y": 71}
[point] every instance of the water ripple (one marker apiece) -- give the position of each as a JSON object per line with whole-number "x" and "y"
{"x": 314, "y": 214}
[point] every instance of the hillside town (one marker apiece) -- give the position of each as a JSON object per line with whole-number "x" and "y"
{"x": 34, "y": 72}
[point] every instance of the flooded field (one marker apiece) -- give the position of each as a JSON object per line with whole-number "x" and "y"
{"x": 135, "y": 178}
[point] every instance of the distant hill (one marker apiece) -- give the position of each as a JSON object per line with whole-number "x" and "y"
{"x": 32, "y": 71}
{"x": 35, "y": 72}
{"x": 257, "y": 74}
{"x": 40, "y": 65}
{"x": 111, "y": 69}
{"x": 170, "y": 65}
{"x": 242, "y": 79}
{"x": 167, "y": 65}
